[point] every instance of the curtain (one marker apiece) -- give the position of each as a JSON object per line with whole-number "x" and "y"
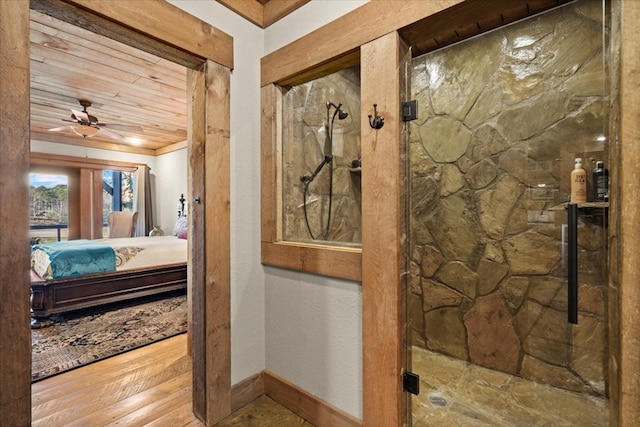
{"x": 142, "y": 201}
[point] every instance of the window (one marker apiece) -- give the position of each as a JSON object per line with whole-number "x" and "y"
{"x": 95, "y": 188}
{"x": 48, "y": 207}
{"x": 117, "y": 191}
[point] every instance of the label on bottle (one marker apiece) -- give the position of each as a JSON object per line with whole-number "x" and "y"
{"x": 578, "y": 186}
{"x": 602, "y": 185}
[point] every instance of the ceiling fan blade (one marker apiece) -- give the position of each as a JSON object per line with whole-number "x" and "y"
{"x": 80, "y": 115}
{"x": 111, "y": 134}
{"x": 60, "y": 129}
{"x": 126, "y": 128}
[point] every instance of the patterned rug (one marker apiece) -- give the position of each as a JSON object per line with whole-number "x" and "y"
{"x": 75, "y": 339}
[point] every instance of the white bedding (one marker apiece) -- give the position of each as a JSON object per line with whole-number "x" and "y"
{"x": 139, "y": 252}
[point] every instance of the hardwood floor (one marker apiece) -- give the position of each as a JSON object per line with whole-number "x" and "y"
{"x": 150, "y": 386}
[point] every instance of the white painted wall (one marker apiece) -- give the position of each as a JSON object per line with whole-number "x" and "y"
{"x": 304, "y": 20}
{"x": 303, "y": 327}
{"x": 170, "y": 181}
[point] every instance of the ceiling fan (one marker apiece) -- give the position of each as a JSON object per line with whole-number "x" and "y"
{"x": 86, "y": 125}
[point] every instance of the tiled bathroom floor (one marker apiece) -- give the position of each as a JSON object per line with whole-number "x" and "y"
{"x": 456, "y": 393}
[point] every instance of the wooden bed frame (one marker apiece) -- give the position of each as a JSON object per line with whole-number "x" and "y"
{"x": 73, "y": 293}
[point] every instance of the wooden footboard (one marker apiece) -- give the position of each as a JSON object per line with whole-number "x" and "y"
{"x": 73, "y": 293}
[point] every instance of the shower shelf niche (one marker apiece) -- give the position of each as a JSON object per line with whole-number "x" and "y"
{"x": 594, "y": 212}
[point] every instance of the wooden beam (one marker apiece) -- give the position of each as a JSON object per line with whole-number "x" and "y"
{"x": 334, "y": 261}
{"x": 97, "y": 187}
{"x": 251, "y": 10}
{"x": 15, "y": 372}
{"x": 86, "y": 180}
{"x": 187, "y": 40}
{"x": 209, "y": 182}
{"x": 362, "y": 25}
{"x": 383, "y": 235}
{"x": 73, "y": 182}
{"x": 261, "y": 14}
{"x": 270, "y": 101}
{"x": 90, "y": 143}
{"x": 60, "y": 160}
{"x": 217, "y": 203}
{"x": 336, "y": 64}
{"x": 197, "y": 255}
{"x": 171, "y": 148}
{"x": 273, "y": 11}
{"x": 629, "y": 217}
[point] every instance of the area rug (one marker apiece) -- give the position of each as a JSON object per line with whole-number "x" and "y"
{"x": 75, "y": 339}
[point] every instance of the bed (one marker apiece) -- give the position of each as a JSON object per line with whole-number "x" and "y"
{"x": 143, "y": 266}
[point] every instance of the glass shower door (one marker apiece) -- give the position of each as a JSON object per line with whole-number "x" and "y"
{"x": 501, "y": 119}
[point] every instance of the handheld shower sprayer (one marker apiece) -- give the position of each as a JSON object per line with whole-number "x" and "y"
{"x": 328, "y": 144}
{"x": 341, "y": 113}
{"x": 328, "y": 160}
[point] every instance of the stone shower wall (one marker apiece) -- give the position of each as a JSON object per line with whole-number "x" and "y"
{"x": 304, "y": 113}
{"x": 501, "y": 119}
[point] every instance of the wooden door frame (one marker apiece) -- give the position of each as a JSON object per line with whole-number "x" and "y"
{"x": 207, "y": 52}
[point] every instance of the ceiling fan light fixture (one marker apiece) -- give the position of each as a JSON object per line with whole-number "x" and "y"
{"x": 84, "y": 130}
{"x": 134, "y": 141}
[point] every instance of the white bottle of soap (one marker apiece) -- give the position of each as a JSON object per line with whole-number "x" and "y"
{"x": 578, "y": 183}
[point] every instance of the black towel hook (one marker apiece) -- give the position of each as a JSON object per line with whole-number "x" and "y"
{"x": 378, "y": 121}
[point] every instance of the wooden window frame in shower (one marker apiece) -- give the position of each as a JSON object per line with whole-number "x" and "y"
{"x": 326, "y": 259}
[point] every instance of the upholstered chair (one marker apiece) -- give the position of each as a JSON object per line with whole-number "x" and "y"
{"x": 122, "y": 224}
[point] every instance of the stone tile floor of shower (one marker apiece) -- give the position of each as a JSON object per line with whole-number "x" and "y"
{"x": 457, "y": 393}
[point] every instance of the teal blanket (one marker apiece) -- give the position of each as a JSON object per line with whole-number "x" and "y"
{"x": 78, "y": 257}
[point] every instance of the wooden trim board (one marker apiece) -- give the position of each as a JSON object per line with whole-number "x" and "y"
{"x": 360, "y": 26}
{"x": 246, "y": 391}
{"x": 263, "y": 14}
{"x": 304, "y": 404}
{"x": 185, "y": 39}
{"x": 209, "y": 262}
{"x": 313, "y": 409}
{"x": 15, "y": 334}
{"x": 60, "y": 160}
{"x": 383, "y": 235}
{"x": 333, "y": 261}
{"x": 628, "y": 215}
{"x": 217, "y": 240}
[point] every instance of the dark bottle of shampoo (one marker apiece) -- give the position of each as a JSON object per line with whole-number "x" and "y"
{"x": 600, "y": 182}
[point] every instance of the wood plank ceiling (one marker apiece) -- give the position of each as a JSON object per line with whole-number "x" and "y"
{"x": 125, "y": 86}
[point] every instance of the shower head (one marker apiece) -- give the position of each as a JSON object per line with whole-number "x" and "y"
{"x": 328, "y": 146}
{"x": 341, "y": 113}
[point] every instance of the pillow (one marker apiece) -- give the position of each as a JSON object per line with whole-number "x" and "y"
{"x": 181, "y": 224}
{"x": 182, "y": 234}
